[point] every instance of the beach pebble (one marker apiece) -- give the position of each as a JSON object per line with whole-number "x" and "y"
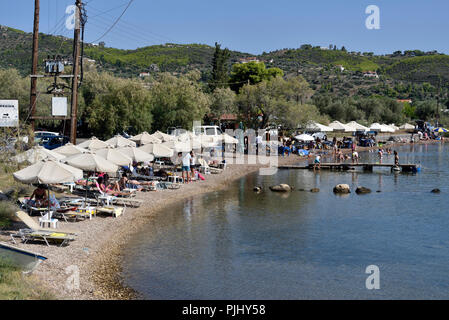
{"x": 342, "y": 188}
{"x": 362, "y": 190}
{"x": 281, "y": 188}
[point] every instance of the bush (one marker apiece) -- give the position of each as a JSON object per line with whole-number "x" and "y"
{"x": 7, "y": 210}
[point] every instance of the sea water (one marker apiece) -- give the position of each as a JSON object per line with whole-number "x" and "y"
{"x": 237, "y": 244}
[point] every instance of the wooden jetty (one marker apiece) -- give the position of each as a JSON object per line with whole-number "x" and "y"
{"x": 350, "y": 166}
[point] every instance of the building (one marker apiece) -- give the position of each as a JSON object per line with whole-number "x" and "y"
{"x": 248, "y": 59}
{"x": 339, "y": 66}
{"x": 371, "y": 74}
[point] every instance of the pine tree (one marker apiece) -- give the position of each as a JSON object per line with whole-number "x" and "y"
{"x": 220, "y": 75}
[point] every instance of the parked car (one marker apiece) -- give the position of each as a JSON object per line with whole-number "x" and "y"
{"x": 52, "y": 142}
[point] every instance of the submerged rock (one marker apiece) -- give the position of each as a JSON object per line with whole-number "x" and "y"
{"x": 315, "y": 190}
{"x": 342, "y": 188}
{"x": 281, "y": 188}
{"x": 435, "y": 191}
{"x": 362, "y": 190}
{"x": 257, "y": 189}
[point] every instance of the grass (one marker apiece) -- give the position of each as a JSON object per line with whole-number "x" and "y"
{"x": 14, "y": 285}
{"x": 7, "y": 210}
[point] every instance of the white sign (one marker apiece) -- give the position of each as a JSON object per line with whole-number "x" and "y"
{"x": 9, "y": 113}
{"x": 59, "y": 106}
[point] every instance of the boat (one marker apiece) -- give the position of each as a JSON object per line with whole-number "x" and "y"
{"x": 26, "y": 260}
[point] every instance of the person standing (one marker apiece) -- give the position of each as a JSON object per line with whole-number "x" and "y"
{"x": 380, "y": 154}
{"x": 186, "y": 168}
{"x": 396, "y": 158}
{"x": 192, "y": 164}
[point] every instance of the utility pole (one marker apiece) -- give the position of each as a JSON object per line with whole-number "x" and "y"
{"x": 35, "y": 57}
{"x": 76, "y": 64}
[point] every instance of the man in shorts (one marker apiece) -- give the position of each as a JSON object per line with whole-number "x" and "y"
{"x": 186, "y": 167}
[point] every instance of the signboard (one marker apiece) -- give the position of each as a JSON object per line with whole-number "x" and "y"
{"x": 59, "y": 106}
{"x": 9, "y": 113}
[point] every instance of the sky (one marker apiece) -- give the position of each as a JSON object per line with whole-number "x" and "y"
{"x": 251, "y": 26}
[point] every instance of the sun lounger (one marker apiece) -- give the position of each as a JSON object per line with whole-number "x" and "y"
{"x": 206, "y": 169}
{"x": 36, "y": 233}
{"x": 25, "y": 204}
{"x": 30, "y": 223}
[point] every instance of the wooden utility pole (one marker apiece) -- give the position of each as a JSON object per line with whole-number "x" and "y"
{"x": 76, "y": 65}
{"x": 35, "y": 57}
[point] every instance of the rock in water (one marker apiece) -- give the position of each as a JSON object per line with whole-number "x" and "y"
{"x": 281, "y": 188}
{"x": 257, "y": 189}
{"x": 342, "y": 188}
{"x": 362, "y": 190}
{"x": 435, "y": 191}
{"x": 314, "y": 190}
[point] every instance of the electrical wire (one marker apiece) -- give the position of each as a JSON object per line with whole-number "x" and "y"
{"x": 116, "y": 21}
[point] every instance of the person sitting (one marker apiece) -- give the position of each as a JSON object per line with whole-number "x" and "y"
{"x": 40, "y": 197}
{"x": 125, "y": 183}
{"x": 112, "y": 189}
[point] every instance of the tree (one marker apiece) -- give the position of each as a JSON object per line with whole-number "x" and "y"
{"x": 275, "y": 101}
{"x": 219, "y": 68}
{"x": 223, "y": 101}
{"x": 252, "y": 73}
{"x": 343, "y": 49}
{"x": 114, "y": 105}
{"x": 178, "y": 101}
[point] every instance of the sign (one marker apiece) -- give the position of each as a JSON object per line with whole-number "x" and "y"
{"x": 9, "y": 113}
{"x": 59, "y": 106}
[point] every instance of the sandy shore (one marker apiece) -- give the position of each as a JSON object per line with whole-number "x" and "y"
{"x": 96, "y": 252}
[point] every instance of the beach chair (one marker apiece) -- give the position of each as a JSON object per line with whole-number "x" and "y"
{"x": 37, "y": 233}
{"x": 26, "y": 205}
{"x": 206, "y": 169}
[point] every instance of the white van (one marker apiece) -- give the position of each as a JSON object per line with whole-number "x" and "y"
{"x": 214, "y": 131}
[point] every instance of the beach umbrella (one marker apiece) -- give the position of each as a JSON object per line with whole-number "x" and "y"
{"x": 48, "y": 172}
{"x": 357, "y": 126}
{"x": 229, "y": 139}
{"x": 316, "y": 127}
{"x": 440, "y": 130}
{"x": 91, "y": 162}
{"x": 118, "y": 142}
{"x": 407, "y": 126}
{"x": 305, "y": 137}
{"x": 70, "y": 150}
{"x": 178, "y": 146}
{"x": 93, "y": 144}
{"x": 115, "y": 156}
{"x": 158, "y": 150}
{"x": 36, "y": 154}
{"x": 375, "y": 127}
{"x": 394, "y": 127}
{"x": 387, "y": 128}
{"x": 163, "y": 136}
{"x": 338, "y": 126}
{"x": 136, "y": 154}
{"x": 186, "y": 136}
{"x": 145, "y": 138}
{"x": 207, "y": 141}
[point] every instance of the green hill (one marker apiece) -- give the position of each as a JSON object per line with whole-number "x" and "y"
{"x": 424, "y": 69}
{"x": 317, "y": 65}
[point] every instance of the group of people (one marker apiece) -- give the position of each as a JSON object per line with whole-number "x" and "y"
{"x": 189, "y": 165}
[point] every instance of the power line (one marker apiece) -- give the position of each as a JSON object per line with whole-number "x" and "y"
{"x": 116, "y": 21}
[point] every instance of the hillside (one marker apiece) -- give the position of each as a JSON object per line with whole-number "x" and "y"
{"x": 315, "y": 64}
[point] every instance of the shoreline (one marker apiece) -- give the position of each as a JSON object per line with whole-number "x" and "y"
{"x": 98, "y": 249}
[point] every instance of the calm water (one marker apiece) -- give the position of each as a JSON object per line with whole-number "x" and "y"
{"x": 236, "y": 244}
